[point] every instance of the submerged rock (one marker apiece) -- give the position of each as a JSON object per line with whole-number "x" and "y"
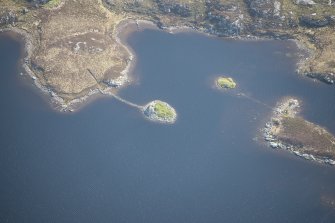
{"x": 160, "y": 111}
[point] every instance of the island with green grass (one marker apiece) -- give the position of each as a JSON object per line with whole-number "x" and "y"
{"x": 225, "y": 83}
{"x": 160, "y": 111}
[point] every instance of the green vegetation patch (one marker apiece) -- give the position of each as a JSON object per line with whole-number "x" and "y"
{"x": 163, "y": 110}
{"x": 226, "y": 82}
{"x": 52, "y": 3}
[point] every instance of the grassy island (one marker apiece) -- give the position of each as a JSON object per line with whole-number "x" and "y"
{"x": 160, "y": 111}
{"x": 226, "y": 83}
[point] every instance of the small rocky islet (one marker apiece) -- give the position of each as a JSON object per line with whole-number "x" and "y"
{"x": 223, "y": 82}
{"x": 160, "y": 111}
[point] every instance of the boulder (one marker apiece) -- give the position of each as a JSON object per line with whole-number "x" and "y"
{"x": 305, "y": 2}
{"x": 274, "y": 145}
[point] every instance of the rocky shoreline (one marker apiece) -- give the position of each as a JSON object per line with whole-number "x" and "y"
{"x": 289, "y": 107}
{"x": 57, "y": 101}
{"x": 27, "y": 40}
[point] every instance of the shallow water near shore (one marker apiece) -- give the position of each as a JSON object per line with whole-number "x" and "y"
{"x": 107, "y": 163}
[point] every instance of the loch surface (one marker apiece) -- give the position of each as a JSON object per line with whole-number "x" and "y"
{"x": 107, "y": 163}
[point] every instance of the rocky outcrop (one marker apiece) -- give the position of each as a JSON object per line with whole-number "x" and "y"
{"x": 328, "y": 78}
{"x": 181, "y": 10}
{"x": 264, "y": 8}
{"x": 109, "y": 2}
{"x": 222, "y": 26}
{"x": 223, "y": 19}
{"x": 305, "y": 2}
{"x": 117, "y": 82}
{"x": 37, "y": 3}
{"x": 7, "y": 18}
{"x": 310, "y": 22}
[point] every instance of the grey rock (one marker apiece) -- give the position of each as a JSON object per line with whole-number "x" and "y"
{"x": 222, "y": 26}
{"x": 305, "y": 2}
{"x": 274, "y": 145}
{"x": 311, "y": 22}
{"x": 263, "y": 8}
{"x": 177, "y": 9}
{"x": 8, "y": 18}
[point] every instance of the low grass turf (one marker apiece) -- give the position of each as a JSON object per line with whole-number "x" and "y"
{"x": 226, "y": 82}
{"x": 163, "y": 111}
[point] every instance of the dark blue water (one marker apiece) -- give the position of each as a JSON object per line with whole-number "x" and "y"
{"x": 107, "y": 163}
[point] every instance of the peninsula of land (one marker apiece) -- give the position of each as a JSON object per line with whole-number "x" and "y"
{"x": 289, "y": 131}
